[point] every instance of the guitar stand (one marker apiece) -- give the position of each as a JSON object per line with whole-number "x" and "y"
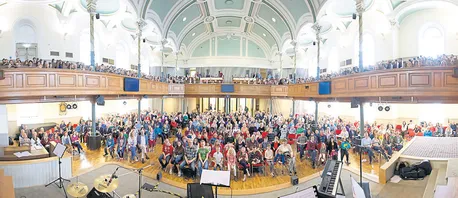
{"x": 60, "y": 180}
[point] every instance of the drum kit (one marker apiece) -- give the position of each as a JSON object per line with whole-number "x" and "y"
{"x": 104, "y": 184}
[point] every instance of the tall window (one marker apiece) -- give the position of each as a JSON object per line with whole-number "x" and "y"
{"x": 368, "y": 51}
{"x": 431, "y": 42}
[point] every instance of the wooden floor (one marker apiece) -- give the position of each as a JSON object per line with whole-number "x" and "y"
{"x": 253, "y": 185}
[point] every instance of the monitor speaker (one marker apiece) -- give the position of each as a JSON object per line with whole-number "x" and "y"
{"x": 198, "y": 191}
{"x": 294, "y": 180}
{"x": 100, "y": 100}
{"x": 159, "y": 176}
{"x": 97, "y": 16}
{"x": 94, "y": 193}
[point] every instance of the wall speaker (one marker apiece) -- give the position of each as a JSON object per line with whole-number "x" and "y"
{"x": 97, "y": 16}
{"x": 380, "y": 108}
{"x": 354, "y": 103}
{"x": 144, "y": 40}
{"x": 387, "y": 108}
{"x": 100, "y": 100}
{"x": 69, "y": 106}
{"x": 314, "y": 43}
{"x": 354, "y": 16}
{"x": 294, "y": 180}
{"x": 75, "y": 106}
{"x": 124, "y": 103}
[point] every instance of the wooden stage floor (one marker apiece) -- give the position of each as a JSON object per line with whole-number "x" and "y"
{"x": 256, "y": 184}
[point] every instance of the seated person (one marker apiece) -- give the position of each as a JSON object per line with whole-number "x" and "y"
{"x": 218, "y": 159}
{"x": 279, "y": 154}
{"x": 311, "y": 149}
{"x": 23, "y": 139}
{"x": 142, "y": 141}
{"x": 190, "y": 156}
{"x": 203, "y": 152}
{"x": 66, "y": 141}
{"x": 323, "y": 154}
{"x": 387, "y": 144}
{"x": 243, "y": 161}
{"x": 109, "y": 146}
{"x": 45, "y": 142}
{"x": 35, "y": 141}
{"x": 76, "y": 142}
{"x": 366, "y": 144}
{"x": 167, "y": 151}
{"x": 121, "y": 145}
{"x": 178, "y": 153}
{"x": 301, "y": 143}
{"x": 256, "y": 157}
{"x": 332, "y": 149}
{"x": 376, "y": 146}
{"x": 397, "y": 141}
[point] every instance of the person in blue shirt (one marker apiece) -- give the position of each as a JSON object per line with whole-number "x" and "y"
{"x": 109, "y": 146}
{"x": 428, "y": 133}
{"x": 158, "y": 133}
{"x": 366, "y": 144}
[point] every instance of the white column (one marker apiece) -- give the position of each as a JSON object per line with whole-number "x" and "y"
{"x": 91, "y": 8}
{"x": 4, "y": 124}
{"x": 360, "y": 10}
{"x": 317, "y": 29}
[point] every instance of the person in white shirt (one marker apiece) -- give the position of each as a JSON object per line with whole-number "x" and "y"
{"x": 132, "y": 146}
{"x": 344, "y": 134}
{"x": 218, "y": 156}
{"x": 142, "y": 142}
{"x": 35, "y": 141}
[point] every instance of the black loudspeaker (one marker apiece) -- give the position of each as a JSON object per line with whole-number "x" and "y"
{"x": 387, "y": 108}
{"x": 97, "y": 16}
{"x": 354, "y": 103}
{"x": 314, "y": 43}
{"x": 100, "y": 100}
{"x": 75, "y": 106}
{"x": 94, "y": 193}
{"x": 144, "y": 40}
{"x": 2, "y": 75}
{"x": 159, "y": 176}
{"x": 69, "y": 106}
{"x": 198, "y": 191}
{"x": 294, "y": 180}
{"x": 380, "y": 108}
{"x": 307, "y": 87}
{"x": 354, "y": 16}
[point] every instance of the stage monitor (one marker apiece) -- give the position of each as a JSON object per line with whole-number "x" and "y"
{"x": 100, "y": 100}
{"x": 324, "y": 88}
{"x": 131, "y": 84}
{"x": 227, "y": 88}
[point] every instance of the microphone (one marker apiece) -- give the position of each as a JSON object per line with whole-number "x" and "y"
{"x": 112, "y": 177}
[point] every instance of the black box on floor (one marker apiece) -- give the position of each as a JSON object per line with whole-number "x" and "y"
{"x": 94, "y": 193}
{"x": 199, "y": 191}
{"x": 294, "y": 180}
{"x": 159, "y": 176}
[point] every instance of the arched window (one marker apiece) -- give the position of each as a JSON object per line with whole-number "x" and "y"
{"x": 431, "y": 41}
{"x": 122, "y": 57}
{"x": 333, "y": 60}
{"x": 368, "y": 51}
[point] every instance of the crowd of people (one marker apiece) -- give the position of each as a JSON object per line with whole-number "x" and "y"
{"x": 234, "y": 141}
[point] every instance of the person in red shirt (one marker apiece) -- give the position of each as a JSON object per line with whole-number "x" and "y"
{"x": 311, "y": 149}
{"x": 167, "y": 151}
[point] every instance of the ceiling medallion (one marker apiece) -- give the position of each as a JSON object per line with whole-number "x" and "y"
{"x": 209, "y": 19}
{"x": 229, "y": 2}
{"x": 228, "y": 22}
{"x": 248, "y": 19}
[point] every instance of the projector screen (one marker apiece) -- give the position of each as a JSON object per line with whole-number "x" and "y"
{"x": 227, "y": 88}
{"x": 324, "y": 88}
{"x": 131, "y": 84}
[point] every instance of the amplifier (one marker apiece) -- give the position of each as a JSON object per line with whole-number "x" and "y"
{"x": 199, "y": 191}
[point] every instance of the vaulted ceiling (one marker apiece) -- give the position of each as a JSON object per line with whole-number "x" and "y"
{"x": 268, "y": 22}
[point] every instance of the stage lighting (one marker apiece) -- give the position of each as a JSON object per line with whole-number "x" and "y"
{"x": 354, "y": 16}
{"x": 74, "y": 106}
{"x": 124, "y": 103}
{"x": 144, "y": 40}
{"x": 329, "y": 106}
{"x": 314, "y": 43}
{"x": 380, "y": 108}
{"x": 387, "y": 108}
{"x": 69, "y": 106}
{"x": 97, "y": 16}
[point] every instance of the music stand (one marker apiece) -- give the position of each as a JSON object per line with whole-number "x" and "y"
{"x": 216, "y": 179}
{"x": 59, "y": 151}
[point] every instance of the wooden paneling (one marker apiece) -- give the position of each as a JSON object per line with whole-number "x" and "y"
{"x": 31, "y": 82}
{"x": 420, "y": 81}
{"x": 176, "y": 89}
{"x": 279, "y": 90}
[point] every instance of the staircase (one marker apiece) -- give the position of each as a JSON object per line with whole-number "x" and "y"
{"x": 6, "y": 185}
{"x": 443, "y": 182}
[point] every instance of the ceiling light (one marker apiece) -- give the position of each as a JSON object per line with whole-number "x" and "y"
{"x": 228, "y": 22}
{"x": 274, "y": 20}
{"x": 193, "y": 34}
{"x": 264, "y": 34}
{"x": 229, "y": 2}
{"x": 184, "y": 18}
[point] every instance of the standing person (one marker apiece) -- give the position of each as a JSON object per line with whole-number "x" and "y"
{"x": 301, "y": 143}
{"x": 203, "y": 157}
{"x": 269, "y": 155}
{"x": 167, "y": 151}
{"x": 344, "y": 147}
{"x": 311, "y": 149}
{"x": 132, "y": 145}
{"x": 231, "y": 160}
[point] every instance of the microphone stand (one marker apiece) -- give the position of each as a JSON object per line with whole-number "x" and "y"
{"x": 140, "y": 173}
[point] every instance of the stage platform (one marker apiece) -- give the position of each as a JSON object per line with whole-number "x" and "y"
{"x": 432, "y": 148}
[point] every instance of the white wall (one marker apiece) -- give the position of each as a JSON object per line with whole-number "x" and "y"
{"x": 4, "y": 124}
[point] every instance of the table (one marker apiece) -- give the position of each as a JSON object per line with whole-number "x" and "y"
{"x": 7, "y": 153}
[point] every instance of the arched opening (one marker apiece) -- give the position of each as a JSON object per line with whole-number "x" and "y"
{"x": 25, "y": 40}
{"x": 431, "y": 41}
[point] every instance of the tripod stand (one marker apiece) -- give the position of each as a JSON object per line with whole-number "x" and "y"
{"x": 59, "y": 181}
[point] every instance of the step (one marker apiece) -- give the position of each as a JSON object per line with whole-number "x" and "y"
{"x": 6, "y": 184}
{"x": 441, "y": 177}
{"x": 431, "y": 185}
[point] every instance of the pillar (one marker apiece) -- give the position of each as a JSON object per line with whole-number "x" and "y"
{"x": 361, "y": 118}
{"x": 140, "y": 25}
{"x": 93, "y": 117}
{"x": 183, "y": 105}
{"x": 317, "y": 29}
{"x": 271, "y": 106}
{"x": 176, "y": 64}
{"x": 281, "y": 65}
{"x": 164, "y": 41}
{"x": 4, "y": 122}
{"x": 316, "y": 112}
{"x": 294, "y": 108}
{"x": 162, "y": 105}
{"x": 294, "y": 62}
{"x": 91, "y": 8}
{"x": 139, "y": 108}
{"x": 360, "y": 10}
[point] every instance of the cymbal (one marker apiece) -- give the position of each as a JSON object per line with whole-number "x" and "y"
{"x": 101, "y": 183}
{"x": 129, "y": 196}
{"x": 77, "y": 189}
